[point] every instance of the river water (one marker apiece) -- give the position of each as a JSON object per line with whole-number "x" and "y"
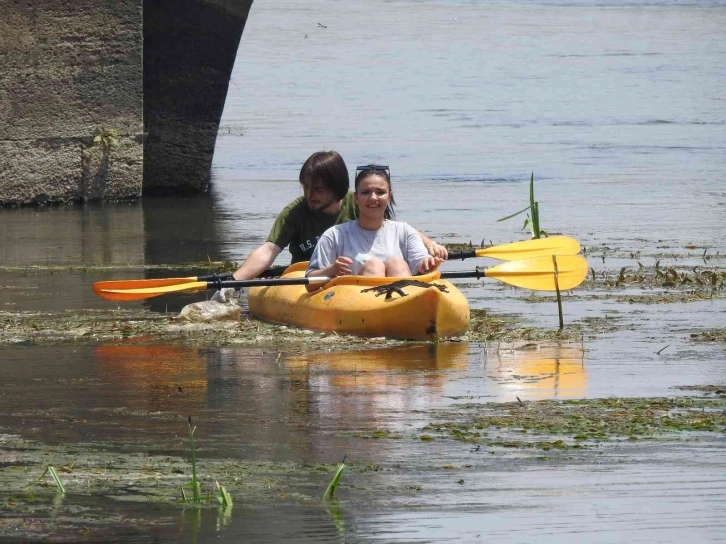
{"x": 619, "y": 110}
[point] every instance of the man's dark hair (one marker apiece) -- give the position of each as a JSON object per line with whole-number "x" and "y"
{"x": 328, "y": 167}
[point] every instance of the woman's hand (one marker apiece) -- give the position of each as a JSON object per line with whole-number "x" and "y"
{"x": 430, "y": 263}
{"x": 437, "y": 250}
{"x": 341, "y": 267}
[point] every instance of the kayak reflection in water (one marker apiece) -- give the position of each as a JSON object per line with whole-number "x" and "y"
{"x": 371, "y": 245}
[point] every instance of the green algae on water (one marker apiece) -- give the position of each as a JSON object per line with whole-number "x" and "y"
{"x": 581, "y": 421}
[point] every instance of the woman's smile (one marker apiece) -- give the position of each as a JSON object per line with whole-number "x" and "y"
{"x": 372, "y": 196}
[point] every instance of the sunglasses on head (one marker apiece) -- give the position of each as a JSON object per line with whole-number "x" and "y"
{"x": 375, "y": 168}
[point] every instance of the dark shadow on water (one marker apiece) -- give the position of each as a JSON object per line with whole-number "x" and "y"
{"x": 179, "y": 230}
{"x": 59, "y": 252}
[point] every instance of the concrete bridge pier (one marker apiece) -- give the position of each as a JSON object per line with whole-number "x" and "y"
{"x": 112, "y": 99}
{"x": 189, "y": 52}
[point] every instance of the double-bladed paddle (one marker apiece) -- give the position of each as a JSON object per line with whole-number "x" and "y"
{"x": 556, "y": 245}
{"x": 165, "y": 282}
{"x": 537, "y": 273}
{"x": 526, "y": 249}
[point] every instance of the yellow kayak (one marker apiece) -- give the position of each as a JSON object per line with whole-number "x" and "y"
{"x": 416, "y": 308}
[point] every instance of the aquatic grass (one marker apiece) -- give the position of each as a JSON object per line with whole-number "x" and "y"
{"x": 32, "y": 269}
{"x": 595, "y": 420}
{"x": 50, "y": 469}
{"x": 558, "y": 294}
{"x": 712, "y": 335}
{"x": 534, "y": 227}
{"x": 56, "y": 478}
{"x": 196, "y": 488}
{"x": 223, "y": 496}
{"x": 696, "y": 277}
{"x": 333, "y": 485}
{"x": 533, "y": 216}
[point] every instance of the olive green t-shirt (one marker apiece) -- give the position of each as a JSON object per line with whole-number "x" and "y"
{"x": 300, "y": 228}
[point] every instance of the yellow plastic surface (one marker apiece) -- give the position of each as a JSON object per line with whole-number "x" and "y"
{"x": 538, "y": 273}
{"x": 341, "y": 307}
{"x": 526, "y": 249}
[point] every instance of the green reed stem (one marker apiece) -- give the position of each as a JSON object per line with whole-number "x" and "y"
{"x": 196, "y": 494}
{"x": 56, "y": 478}
{"x": 333, "y": 485}
{"x": 534, "y": 206}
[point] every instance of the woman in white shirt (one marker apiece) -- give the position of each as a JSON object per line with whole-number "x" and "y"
{"x": 371, "y": 245}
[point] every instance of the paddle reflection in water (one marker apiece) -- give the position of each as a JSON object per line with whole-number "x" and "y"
{"x": 538, "y": 371}
{"x": 156, "y": 376}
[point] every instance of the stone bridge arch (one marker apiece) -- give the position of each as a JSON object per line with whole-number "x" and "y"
{"x": 112, "y": 99}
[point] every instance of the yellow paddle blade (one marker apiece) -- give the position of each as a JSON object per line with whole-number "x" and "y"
{"x": 526, "y": 249}
{"x": 138, "y": 284}
{"x": 148, "y": 292}
{"x": 538, "y": 273}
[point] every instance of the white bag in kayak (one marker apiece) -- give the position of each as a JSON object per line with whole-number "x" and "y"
{"x": 223, "y": 305}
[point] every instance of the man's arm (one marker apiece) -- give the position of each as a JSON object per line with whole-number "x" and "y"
{"x": 258, "y": 261}
{"x": 434, "y": 249}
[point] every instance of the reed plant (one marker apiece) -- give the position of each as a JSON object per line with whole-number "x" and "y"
{"x": 333, "y": 485}
{"x": 222, "y": 495}
{"x": 533, "y": 222}
{"x": 533, "y": 216}
{"x": 50, "y": 469}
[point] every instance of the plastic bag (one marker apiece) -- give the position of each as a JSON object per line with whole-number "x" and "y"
{"x": 224, "y": 304}
{"x": 226, "y": 294}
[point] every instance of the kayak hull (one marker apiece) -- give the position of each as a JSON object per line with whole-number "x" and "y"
{"x": 343, "y": 306}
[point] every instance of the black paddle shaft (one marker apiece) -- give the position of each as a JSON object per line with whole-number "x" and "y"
{"x": 238, "y": 284}
{"x": 478, "y": 274}
{"x": 461, "y": 255}
{"x": 275, "y": 272}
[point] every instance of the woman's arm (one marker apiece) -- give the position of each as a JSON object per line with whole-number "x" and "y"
{"x": 326, "y": 261}
{"x": 434, "y": 249}
{"x": 420, "y": 259}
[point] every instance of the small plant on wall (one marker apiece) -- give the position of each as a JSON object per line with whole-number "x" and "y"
{"x": 107, "y": 139}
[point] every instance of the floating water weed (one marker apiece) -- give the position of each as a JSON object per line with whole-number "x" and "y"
{"x": 712, "y": 280}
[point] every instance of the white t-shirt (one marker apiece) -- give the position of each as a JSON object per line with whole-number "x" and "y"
{"x": 393, "y": 239}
